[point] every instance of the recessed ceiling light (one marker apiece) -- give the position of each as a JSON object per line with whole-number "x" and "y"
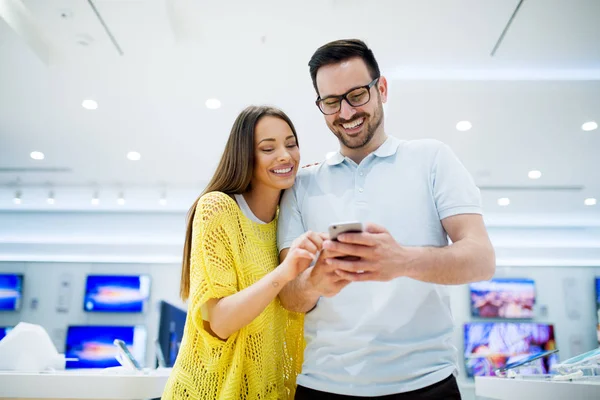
{"x": 534, "y": 174}
{"x": 95, "y": 201}
{"x": 463, "y": 126}
{"x": 37, "y": 155}
{"x": 121, "y": 201}
{"x": 589, "y": 126}
{"x": 213, "y": 104}
{"x": 17, "y": 198}
{"x": 134, "y": 156}
{"x": 89, "y": 104}
{"x": 590, "y": 201}
{"x": 162, "y": 202}
{"x": 503, "y": 201}
{"x": 50, "y": 199}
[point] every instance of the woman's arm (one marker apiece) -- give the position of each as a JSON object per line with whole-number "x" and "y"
{"x": 229, "y": 314}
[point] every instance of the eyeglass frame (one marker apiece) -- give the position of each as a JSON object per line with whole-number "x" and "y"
{"x": 344, "y": 96}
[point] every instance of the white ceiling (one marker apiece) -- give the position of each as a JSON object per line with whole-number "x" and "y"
{"x": 527, "y": 103}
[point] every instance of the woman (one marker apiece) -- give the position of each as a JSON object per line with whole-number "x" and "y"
{"x": 239, "y": 342}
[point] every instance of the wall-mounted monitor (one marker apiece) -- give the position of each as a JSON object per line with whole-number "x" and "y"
{"x": 93, "y": 346}
{"x": 116, "y": 293}
{"x": 11, "y": 292}
{"x": 492, "y": 345}
{"x": 503, "y": 298}
{"x": 170, "y": 331}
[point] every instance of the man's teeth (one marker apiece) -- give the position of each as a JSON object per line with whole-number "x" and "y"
{"x": 353, "y": 124}
{"x": 282, "y": 171}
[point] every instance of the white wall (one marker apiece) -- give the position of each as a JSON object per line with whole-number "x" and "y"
{"x": 563, "y": 258}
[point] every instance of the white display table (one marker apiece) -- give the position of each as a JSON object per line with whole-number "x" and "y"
{"x": 528, "y": 389}
{"x": 83, "y": 384}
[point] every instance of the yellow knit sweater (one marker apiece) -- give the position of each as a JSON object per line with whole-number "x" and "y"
{"x": 260, "y": 361}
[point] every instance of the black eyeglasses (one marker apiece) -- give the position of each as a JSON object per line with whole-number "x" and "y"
{"x": 355, "y": 97}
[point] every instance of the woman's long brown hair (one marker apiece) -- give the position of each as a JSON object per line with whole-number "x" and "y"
{"x": 233, "y": 174}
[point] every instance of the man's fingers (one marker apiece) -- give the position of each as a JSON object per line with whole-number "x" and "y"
{"x": 355, "y": 266}
{"x": 355, "y": 277}
{"x": 374, "y": 228}
{"x": 331, "y": 254}
{"x": 346, "y": 249}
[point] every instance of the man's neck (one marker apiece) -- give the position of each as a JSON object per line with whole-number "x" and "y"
{"x": 357, "y": 155}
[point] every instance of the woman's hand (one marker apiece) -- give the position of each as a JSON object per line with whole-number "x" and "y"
{"x": 302, "y": 253}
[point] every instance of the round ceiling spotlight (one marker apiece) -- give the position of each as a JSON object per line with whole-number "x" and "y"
{"x": 463, "y": 126}
{"x": 213, "y": 104}
{"x": 89, "y": 104}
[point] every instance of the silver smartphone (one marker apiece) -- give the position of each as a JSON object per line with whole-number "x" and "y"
{"x": 344, "y": 227}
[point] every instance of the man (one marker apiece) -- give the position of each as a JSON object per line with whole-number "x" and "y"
{"x": 379, "y": 323}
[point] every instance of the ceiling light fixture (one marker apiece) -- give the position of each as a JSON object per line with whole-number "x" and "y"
{"x": 503, "y": 201}
{"x": 95, "y": 199}
{"x": 89, "y": 104}
{"x": 37, "y": 155}
{"x": 134, "y": 156}
{"x": 213, "y": 104}
{"x": 121, "y": 199}
{"x": 590, "y": 201}
{"x": 463, "y": 126}
{"x": 17, "y": 198}
{"x": 589, "y": 126}
{"x": 534, "y": 174}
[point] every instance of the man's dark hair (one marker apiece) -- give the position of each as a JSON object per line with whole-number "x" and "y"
{"x": 342, "y": 50}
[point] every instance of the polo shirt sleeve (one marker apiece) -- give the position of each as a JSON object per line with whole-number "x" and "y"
{"x": 454, "y": 189}
{"x": 289, "y": 224}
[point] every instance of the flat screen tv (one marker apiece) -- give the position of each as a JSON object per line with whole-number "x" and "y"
{"x": 93, "y": 346}
{"x": 492, "y": 345}
{"x": 11, "y": 292}
{"x": 170, "y": 331}
{"x": 116, "y": 293}
{"x": 503, "y": 298}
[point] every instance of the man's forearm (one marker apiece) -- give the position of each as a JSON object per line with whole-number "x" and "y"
{"x": 298, "y": 295}
{"x": 465, "y": 261}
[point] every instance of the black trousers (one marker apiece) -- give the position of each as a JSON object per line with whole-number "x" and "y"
{"x": 443, "y": 390}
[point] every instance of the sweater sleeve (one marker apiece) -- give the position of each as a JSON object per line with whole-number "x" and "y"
{"x": 213, "y": 272}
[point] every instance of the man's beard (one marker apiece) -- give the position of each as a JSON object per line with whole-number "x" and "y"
{"x": 368, "y": 129}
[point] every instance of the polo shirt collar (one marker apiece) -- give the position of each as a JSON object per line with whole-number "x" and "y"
{"x": 388, "y": 148}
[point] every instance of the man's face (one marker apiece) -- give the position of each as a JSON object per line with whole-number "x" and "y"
{"x": 353, "y": 126}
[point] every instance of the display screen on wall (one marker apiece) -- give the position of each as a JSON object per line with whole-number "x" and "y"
{"x": 503, "y": 298}
{"x": 93, "y": 346}
{"x": 116, "y": 293}
{"x": 11, "y": 292}
{"x": 492, "y": 345}
{"x": 598, "y": 308}
{"x": 4, "y": 331}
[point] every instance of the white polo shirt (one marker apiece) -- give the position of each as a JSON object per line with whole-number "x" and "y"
{"x": 380, "y": 338}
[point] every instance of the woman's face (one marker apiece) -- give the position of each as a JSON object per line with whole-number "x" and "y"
{"x": 276, "y": 154}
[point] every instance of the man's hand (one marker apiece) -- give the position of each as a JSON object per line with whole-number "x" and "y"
{"x": 323, "y": 277}
{"x": 381, "y": 258}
